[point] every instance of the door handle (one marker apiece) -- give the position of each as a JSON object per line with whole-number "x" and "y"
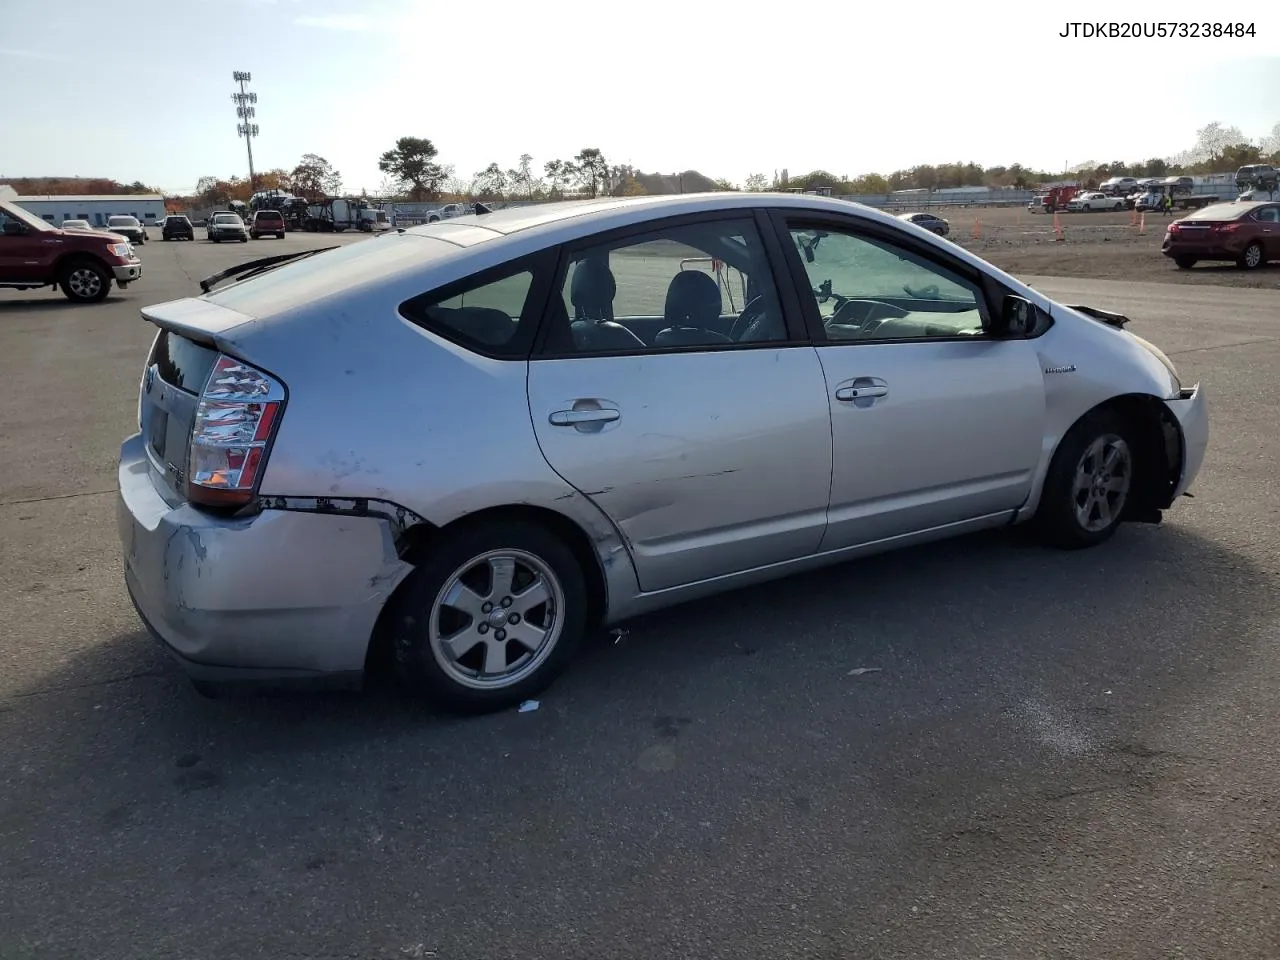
{"x": 571, "y": 418}
{"x": 849, "y": 394}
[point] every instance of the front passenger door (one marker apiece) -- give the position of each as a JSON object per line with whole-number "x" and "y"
{"x": 933, "y": 421}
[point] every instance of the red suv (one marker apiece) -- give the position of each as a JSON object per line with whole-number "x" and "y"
{"x": 266, "y": 222}
{"x": 1245, "y": 233}
{"x": 82, "y": 262}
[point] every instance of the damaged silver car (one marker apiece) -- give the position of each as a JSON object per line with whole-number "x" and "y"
{"x": 469, "y": 443}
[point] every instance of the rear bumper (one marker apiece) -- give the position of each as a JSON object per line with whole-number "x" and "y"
{"x": 1191, "y": 412}
{"x": 283, "y": 595}
{"x": 1201, "y": 251}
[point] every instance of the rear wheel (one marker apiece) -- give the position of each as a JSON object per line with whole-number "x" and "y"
{"x": 490, "y": 618}
{"x": 85, "y": 281}
{"x": 1251, "y": 259}
{"x": 1185, "y": 263}
{"x": 1090, "y": 482}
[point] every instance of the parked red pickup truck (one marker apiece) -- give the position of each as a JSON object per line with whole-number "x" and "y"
{"x": 83, "y": 263}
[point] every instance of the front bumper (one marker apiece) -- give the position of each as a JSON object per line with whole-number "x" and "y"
{"x": 1191, "y": 412}
{"x": 283, "y": 595}
{"x": 127, "y": 272}
{"x": 228, "y": 234}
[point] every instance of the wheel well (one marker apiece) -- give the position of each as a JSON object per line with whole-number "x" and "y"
{"x": 1159, "y": 442}
{"x": 417, "y": 540}
{"x": 76, "y": 256}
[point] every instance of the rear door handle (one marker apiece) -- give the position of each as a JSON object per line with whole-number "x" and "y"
{"x": 571, "y": 418}
{"x": 868, "y": 392}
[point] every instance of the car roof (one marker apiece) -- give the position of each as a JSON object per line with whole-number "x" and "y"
{"x": 565, "y": 220}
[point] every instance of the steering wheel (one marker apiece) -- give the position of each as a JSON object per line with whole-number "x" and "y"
{"x": 752, "y": 312}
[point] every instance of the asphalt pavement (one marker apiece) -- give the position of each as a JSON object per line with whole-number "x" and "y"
{"x": 974, "y": 749}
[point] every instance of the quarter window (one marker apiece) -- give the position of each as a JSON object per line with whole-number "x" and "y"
{"x": 484, "y": 317}
{"x": 703, "y": 285}
{"x": 1269, "y": 214}
{"x": 865, "y": 288}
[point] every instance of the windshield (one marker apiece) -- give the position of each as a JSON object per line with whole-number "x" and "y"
{"x": 122, "y": 222}
{"x": 11, "y": 211}
{"x": 226, "y": 218}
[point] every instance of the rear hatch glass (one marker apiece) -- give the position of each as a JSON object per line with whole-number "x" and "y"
{"x": 176, "y": 373}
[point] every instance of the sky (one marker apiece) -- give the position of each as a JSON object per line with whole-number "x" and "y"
{"x": 143, "y": 91}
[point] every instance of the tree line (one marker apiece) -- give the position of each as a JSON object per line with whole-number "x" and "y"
{"x": 413, "y": 170}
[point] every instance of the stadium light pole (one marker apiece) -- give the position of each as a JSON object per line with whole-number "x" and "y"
{"x": 244, "y": 101}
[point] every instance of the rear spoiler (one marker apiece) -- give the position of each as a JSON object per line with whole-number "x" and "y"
{"x": 1117, "y": 320}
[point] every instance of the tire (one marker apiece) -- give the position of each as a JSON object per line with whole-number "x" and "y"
{"x": 1185, "y": 263}
{"x": 1070, "y": 515}
{"x": 85, "y": 281}
{"x": 244, "y": 239}
{"x": 455, "y": 680}
{"x": 1252, "y": 258}
{"x": 279, "y": 236}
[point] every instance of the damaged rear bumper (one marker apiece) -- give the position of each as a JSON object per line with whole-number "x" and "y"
{"x": 279, "y": 596}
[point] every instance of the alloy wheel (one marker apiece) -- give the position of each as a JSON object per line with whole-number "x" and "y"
{"x": 84, "y": 283}
{"x": 496, "y": 619}
{"x": 1102, "y": 481}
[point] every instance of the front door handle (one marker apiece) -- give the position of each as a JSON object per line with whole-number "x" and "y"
{"x": 571, "y": 418}
{"x": 867, "y": 392}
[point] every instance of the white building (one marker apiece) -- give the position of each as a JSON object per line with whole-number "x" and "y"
{"x": 147, "y": 207}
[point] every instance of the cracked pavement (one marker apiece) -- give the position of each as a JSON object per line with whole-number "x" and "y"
{"x": 974, "y": 749}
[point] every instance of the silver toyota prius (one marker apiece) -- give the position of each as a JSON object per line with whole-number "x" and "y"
{"x": 468, "y": 444}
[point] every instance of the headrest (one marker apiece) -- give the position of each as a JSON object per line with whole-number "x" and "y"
{"x": 693, "y": 299}
{"x": 592, "y": 289}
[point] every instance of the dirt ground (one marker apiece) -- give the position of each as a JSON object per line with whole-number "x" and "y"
{"x": 1103, "y": 246}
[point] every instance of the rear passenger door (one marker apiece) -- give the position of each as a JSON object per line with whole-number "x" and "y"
{"x": 674, "y": 387}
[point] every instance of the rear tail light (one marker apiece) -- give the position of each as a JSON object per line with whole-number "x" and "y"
{"x": 235, "y": 420}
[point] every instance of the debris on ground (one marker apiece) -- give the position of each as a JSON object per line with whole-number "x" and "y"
{"x": 529, "y": 706}
{"x": 859, "y": 671}
{"x": 619, "y": 636}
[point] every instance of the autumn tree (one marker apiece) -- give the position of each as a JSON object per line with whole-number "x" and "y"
{"x": 277, "y": 179}
{"x": 315, "y": 178}
{"x": 412, "y": 162}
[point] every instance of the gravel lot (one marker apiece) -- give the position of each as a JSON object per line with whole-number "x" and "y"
{"x": 1052, "y": 755}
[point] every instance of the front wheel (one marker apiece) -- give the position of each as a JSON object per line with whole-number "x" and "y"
{"x": 1090, "y": 482}
{"x": 1185, "y": 263}
{"x": 84, "y": 281}
{"x": 490, "y": 618}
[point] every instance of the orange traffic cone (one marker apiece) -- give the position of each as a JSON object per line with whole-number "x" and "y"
{"x": 1142, "y": 225}
{"x": 977, "y": 229}
{"x": 1133, "y": 218}
{"x": 1057, "y": 226}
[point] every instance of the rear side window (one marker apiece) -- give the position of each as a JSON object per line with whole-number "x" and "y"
{"x": 493, "y": 313}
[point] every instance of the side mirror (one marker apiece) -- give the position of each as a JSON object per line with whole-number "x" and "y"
{"x": 1017, "y": 316}
{"x": 13, "y": 228}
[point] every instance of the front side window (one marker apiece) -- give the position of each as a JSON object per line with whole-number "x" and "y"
{"x": 1268, "y": 215}
{"x": 865, "y": 288}
{"x": 705, "y": 285}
